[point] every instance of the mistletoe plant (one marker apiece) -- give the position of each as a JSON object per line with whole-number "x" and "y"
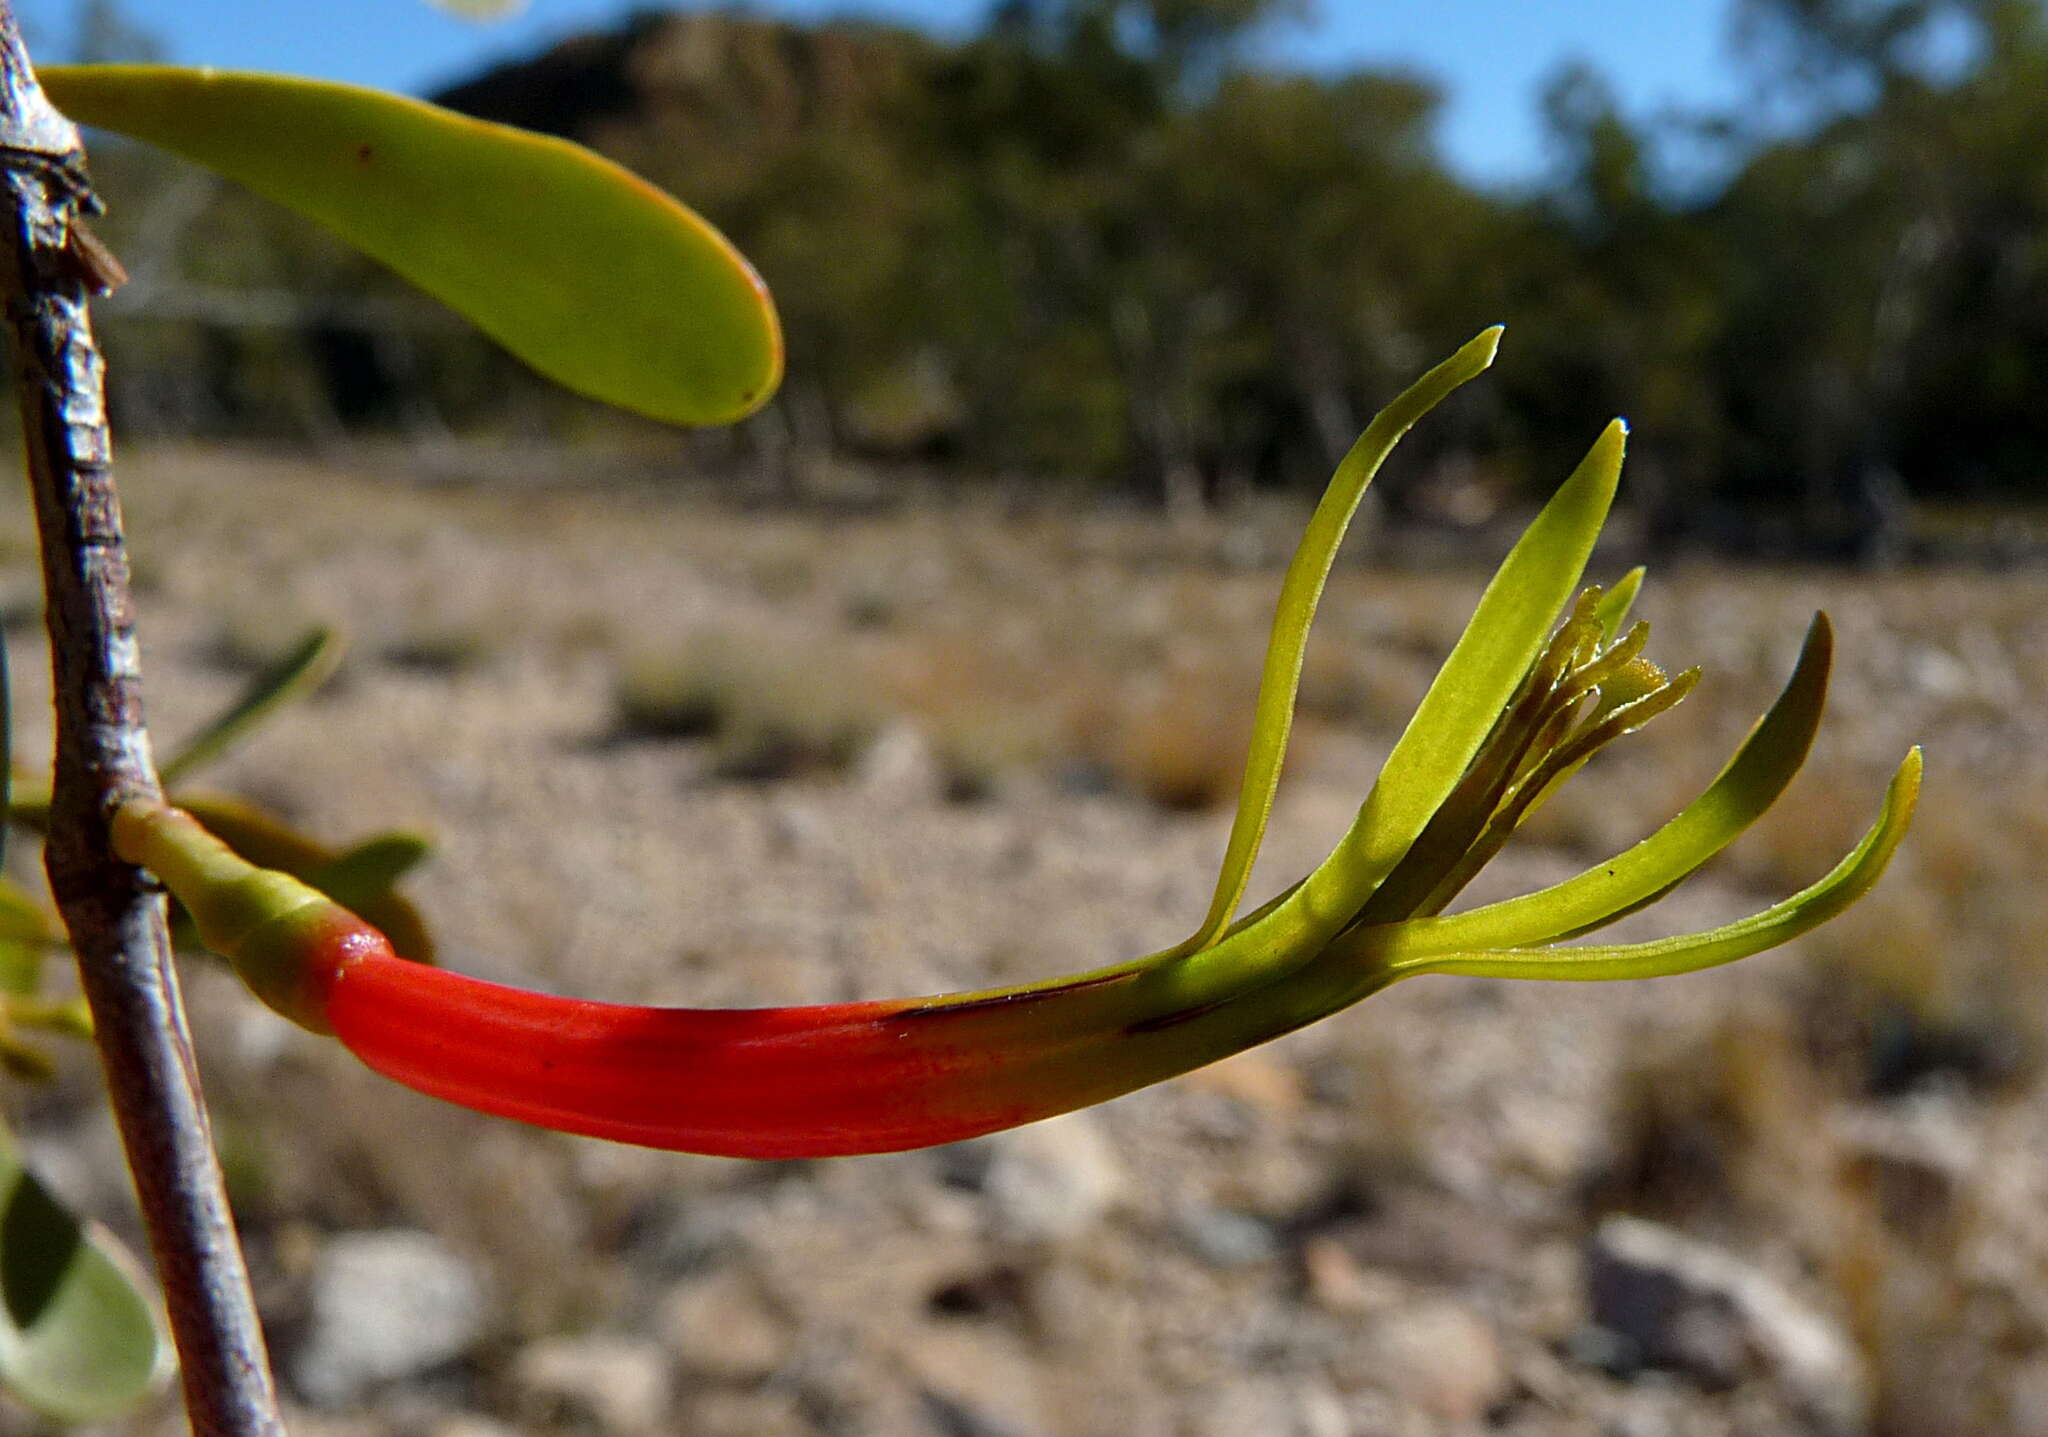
{"x": 617, "y": 291}
{"x": 1521, "y": 703}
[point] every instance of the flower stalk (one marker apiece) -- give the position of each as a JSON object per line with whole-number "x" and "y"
{"x": 1539, "y": 681}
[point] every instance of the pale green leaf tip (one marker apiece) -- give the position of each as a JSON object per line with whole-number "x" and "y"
{"x": 1474, "y": 357}
{"x": 1608, "y": 452}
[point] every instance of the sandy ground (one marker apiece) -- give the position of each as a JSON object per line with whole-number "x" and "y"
{"x": 1398, "y": 1221}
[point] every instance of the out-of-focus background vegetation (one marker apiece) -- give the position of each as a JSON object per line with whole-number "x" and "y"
{"x": 1091, "y": 243}
{"x": 934, "y": 675}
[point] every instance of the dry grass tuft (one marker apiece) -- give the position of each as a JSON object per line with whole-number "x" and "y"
{"x": 443, "y": 649}
{"x": 1374, "y": 689}
{"x": 1177, "y": 740}
{"x": 685, "y": 694}
{"x": 1716, "y": 1130}
{"x": 989, "y": 715}
{"x": 771, "y": 710}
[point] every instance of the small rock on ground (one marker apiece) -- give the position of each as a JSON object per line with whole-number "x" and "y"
{"x": 621, "y": 1382}
{"x": 1687, "y": 1306}
{"x": 385, "y": 1305}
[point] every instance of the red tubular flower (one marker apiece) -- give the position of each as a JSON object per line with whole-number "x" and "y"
{"x": 745, "y": 1082}
{"x": 1515, "y": 711}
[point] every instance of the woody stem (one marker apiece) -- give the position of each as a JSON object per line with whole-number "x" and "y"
{"x": 115, "y": 920}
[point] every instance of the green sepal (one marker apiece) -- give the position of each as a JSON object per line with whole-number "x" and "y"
{"x": 588, "y": 273}
{"x": 371, "y": 867}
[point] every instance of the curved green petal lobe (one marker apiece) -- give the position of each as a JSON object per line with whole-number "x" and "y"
{"x": 80, "y": 1340}
{"x": 1300, "y": 592}
{"x": 1750, "y": 783}
{"x": 1849, "y": 880}
{"x": 589, "y": 274}
{"x": 1506, "y": 633}
{"x": 1612, "y": 610}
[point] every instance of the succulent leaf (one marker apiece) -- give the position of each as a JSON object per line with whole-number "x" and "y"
{"x": 81, "y": 1339}
{"x": 586, "y": 272}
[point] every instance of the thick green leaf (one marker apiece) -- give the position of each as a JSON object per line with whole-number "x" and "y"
{"x": 589, "y": 274}
{"x": 1750, "y": 783}
{"x": 81, "y": 1339}
{"x": 1300, "y": 591}
{"x": 367, "y": 872}
{"x": 309, "y": 664}
{"x": 1849, "y": 880}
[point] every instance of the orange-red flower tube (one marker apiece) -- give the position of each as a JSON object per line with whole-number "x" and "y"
{"x": 761, "y": 1082}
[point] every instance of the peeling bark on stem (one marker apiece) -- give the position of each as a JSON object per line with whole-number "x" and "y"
{"x": 116, "y": 920}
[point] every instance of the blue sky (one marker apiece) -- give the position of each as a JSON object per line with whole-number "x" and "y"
{"x": 1491, "y": 55}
